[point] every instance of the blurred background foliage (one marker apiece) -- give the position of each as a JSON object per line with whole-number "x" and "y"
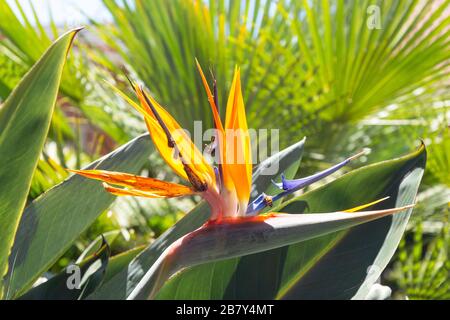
{"x": 347, "y": 74}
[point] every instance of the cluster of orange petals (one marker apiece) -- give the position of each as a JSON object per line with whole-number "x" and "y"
{"x": 177, "y": 149}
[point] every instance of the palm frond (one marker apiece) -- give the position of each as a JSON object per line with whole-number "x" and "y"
{"x": 24, "y": 39}
{"x": 311, "y": 65}
{"x": 422, "y": 269}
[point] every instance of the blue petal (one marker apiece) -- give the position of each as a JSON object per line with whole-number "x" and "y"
{"x": 297, "y": 184}
{"x": 257, "y": 205}
{"x": 290, "y": 186}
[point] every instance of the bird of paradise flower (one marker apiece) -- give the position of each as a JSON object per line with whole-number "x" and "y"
{"x": 225, "y": 185}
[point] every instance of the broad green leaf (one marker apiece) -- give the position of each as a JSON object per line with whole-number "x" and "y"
{"x": 335, "y": 266}
{"x": 120, "y": 261}
{"x": 53, "y": 221}
{"x": 225, "y": 240}
{"x": 122, "y": 284}
{"x": 24, "y": 123}
{"x": 75, "y": 282}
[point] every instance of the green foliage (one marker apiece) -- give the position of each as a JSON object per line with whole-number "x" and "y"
{"x": 25, "y": 39}
{"x": 10, "y": 74}
{"x": 422, "y": 269}
{"x": 89, "y": 273}
{"x": 161, "y": 40}
{"x": 24, "y": 124}
{"x": 310, "y": 68}
{"x": 314, "y": 66}
{"x": 314, "y": 269}
{"x": 440, "y": 151}
{"x": 47, "y": 174}
{"x": 44, "y": 233}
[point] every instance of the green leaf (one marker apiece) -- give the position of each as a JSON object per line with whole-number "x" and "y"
{"x": 225, "y": 240}
{"x": 334, "y": 266}
{"x": 120, "y": 261}
{"x": 25, "y": 38}
{"x": 122, "y": 284}
{"x": 24, "y": 123}
{"x": 53, "y": 221}
{"x": 89, "y": 273}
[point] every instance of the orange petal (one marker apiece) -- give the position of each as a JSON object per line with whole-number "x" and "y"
{"x": 214, "y": 108}
{"x": 192, "y": 156}
{"x": 143, "y": 184}
{"x": 139, "y": 193}
{"x": 156, "y": 132}
{"x": 227, "y": 180}
{"x": 230, "y": 115}
{"x": 239, "y": 158}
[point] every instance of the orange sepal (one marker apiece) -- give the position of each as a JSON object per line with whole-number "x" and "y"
{"x": 144, "y": 185}
{"x": 139, "y": 193}
{"x": 238, "y": 142}
{"x": 227, "y": 179}
{"x": 186, "y": 147}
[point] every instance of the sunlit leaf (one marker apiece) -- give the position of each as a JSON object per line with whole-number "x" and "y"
{"x": 24, "y": 123}
{"x": 75, "y": 282}
{"x": 52, "y": 222}
{"x": 335, "y": 266}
